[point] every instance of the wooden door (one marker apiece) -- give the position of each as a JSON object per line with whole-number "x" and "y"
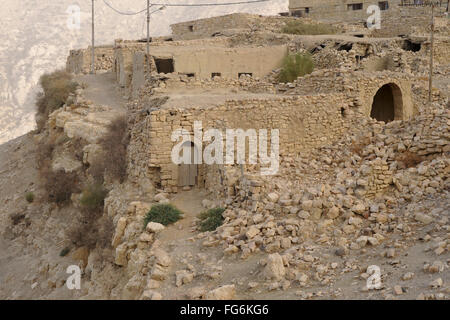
{"x": 187, "y": 173}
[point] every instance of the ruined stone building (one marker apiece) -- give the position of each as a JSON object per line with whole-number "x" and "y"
{"x": 344, "y": 9}
{"x": 206, "y": 73}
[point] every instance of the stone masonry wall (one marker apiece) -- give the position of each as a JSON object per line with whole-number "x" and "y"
{"x": 79, "y": 61}
{"x": 361, "y": 86}
{"x": 304, "y": 122}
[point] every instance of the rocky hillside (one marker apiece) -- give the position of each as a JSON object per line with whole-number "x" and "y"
{"x": 313, "y": 236}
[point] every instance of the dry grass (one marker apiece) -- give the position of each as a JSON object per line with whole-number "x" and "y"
{"x": 113, "y": 160}
{"x": 60, "y": 185}
{"x": 408, "y": 159}
{"x": 300, "y": 28}
{"x": 44, "y": 152}
{"x": 57, "y": 87}
{"x": 294, "y": 66}
{"x": 93, "y": 197}
{"x": 92, "y": 229}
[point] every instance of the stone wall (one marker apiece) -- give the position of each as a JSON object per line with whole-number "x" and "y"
{"x": 358, "y": 85}
{"x": 199, "y": 59}
{"x": 232, "y": 24}
{"x": 79, "y": 61}
{"x": 304, "y": 122}
{"x": 336, "y": 9}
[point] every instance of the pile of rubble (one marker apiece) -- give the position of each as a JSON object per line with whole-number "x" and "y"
{"x": 333, "y": 194}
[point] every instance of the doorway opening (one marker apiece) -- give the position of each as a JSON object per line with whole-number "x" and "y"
{"x": 164, "y": 65}
{"x": 387, "y": 103}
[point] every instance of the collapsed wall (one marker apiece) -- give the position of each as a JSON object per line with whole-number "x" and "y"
{"x": 79, "y": 61}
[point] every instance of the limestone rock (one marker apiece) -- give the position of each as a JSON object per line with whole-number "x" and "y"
{"x": 81, "y": 254}
{"x": 275, "y": 268}
{"x": 273, "y": 197}
{"x": 425, "y": 219}
{"x": 120, "y": 229}
{"x": 154, "y": 227}
{"x": 121, "y": 255}
{"x": 222, "y": 293}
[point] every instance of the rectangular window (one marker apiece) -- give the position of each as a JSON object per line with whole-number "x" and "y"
{"x": 215, "y": 74}
{"x": 384, "y": 5}
{"x": 245, "y": 74}
{"x": 297, "y": 13}
{"x": 164, "y": 65}
{"x": 355, "y": 6}
{"x": 300, "y": 12}
{"x": 191, "y": 28}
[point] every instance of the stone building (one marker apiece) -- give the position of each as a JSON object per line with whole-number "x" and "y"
{"x": 345, "y": 10}
{"x": 201, "y": 59}
{"x": 305, "y": 121}
{"x": 227, "y": 82}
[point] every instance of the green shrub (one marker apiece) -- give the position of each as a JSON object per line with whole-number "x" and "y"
{"x": 211, "y": 219}
{"x": 162, "y": 213}
{"x": 29, "y": 196}
{"x": 93, "y": 197}
{"x": 294, "y": 66}
{"x": 57, "y": 87}
{"x": 301, "y": 28}
{"x": 64, "y": 252}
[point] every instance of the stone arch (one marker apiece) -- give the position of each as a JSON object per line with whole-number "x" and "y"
{"x": 387, "y": 104}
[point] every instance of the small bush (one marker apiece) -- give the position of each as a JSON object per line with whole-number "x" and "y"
{"x": 60, "y": 185}
{"x": 64, "y": 252}
{"x": 29, "y": 196}
{"x": 294, "y": 66}
{"x": 93, "y": 197}
{"x": 92, "y": 228}
{"x": 44, "y": 154}
{"x": 57, "y": 87}
{"x": 409, "y": 160}
{"x": 211, "y": 219}
{"x": 163, "y": 213}
{"x": 301, "y": 28}
{"x": 113, "y": 160}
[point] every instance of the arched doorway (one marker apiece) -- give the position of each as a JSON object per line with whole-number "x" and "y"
{"x": 187, "y": 173}
{"x": 387, "y": 103}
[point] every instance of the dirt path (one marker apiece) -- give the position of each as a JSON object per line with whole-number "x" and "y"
{"x": 190, "y": 203}
{"x": 101, "y": 89}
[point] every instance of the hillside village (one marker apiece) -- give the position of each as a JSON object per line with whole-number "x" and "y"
{"x": 361, "y": 173}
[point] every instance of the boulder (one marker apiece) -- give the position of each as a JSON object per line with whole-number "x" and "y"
{"x": 154, "y": 227}
{"x": 275, "y": 268}
{"x": 222, "y": 293}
